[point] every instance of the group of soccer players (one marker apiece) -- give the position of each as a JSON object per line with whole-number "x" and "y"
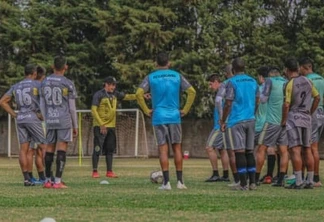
{"x": 284, "y": 112}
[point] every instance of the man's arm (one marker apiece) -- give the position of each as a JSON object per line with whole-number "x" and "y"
{"x": 264, "y": 96}
{"x": 141, "y": 101}
{"x": 287, "y": 101}
{"x": 72, "y": 108}
{"x": 4, "y": 103}
{"x": 191, "y": 94}
{"x": 316, "y": 99}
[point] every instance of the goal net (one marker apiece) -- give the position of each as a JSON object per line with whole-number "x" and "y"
{"x": 130, "y": 133}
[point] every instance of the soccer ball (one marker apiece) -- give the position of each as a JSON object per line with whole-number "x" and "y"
{"x": 290, "y": 180}
{"x": 156, "y": 176}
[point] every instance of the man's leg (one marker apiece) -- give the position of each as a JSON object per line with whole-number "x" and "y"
{"x": 225, "y": 163}
{"x": 260, "y": 158}
{"x": 178, "y": 161}
{"x": 23, "y": 161}
{"x": 212, "y": 155}
{"x": 296, "y": 160}
{"x": 315, "y": 152}
{"x": 30, "y": 160}
{"x": 309, "y": 160}
{"x": 60, "y": 160}
{"x": 271, "y": 161}
{"x": 231, "y": 155}
{"x": 283, "y": 152}
{"x": 39, "y": 161}
{"x": 110, "y": 147}
{"x": 164, "y": 162}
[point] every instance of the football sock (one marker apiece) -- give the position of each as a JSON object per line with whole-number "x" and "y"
{"x": 60, "y": 163}
{"x": 109, "y": 161}
{"x": 236, "y": 177}
{"x": 165, "y": 177}
{"x": 215, "y": 173}
{"x": 41, "y": 175}
{"x": 281, "y": 177}
{"x": 316, "y": 178}
{"x": 299, "y": 179}
{"x": 278, "y": 165}
{"x": 257, "y": 177}
{"x": 241, "y": 167}
{"x": 271, "y": 164}
{"x": 225, "y": 173}
{"x": 30, "y": 175}
{"x": 95, "y": 160}
{"x": 179, "y": 176}
{"x": 49, "y": 157}
{"x": 26, "y": 176}
{"x": 310, "y": 176}
{"x": 250, "y": 163}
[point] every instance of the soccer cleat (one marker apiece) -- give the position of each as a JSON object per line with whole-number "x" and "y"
{"x": 111, "y": 174}
{"x": 318, "y": 184}
{"x": 294, "y": 186}
{"x": 277, "y": 184}
{"x": 239, "y": 187}
{"x": 181, "y": 186}
{"x": 95, "y": 175}
{"x": 275, "y": 179}
{"x": 59, "y": 186}
{"x": 224, "y": 179}
{"x": 309, "y": 186}
{"x": 213, "y": 179}
{"x": 233, "y": 184}
{"x": 267, "y": 180}
{"x": 262, "y": 178}
{"x": 165, "y": 187}
{"x": 47, "y": 184}
{"x": 28, "y": 183}
{"x": 252, "y": 186}
{"x": 33, "y": 180}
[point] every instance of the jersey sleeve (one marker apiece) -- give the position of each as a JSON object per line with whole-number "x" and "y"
{"x": 221, "y": 91}
{"x": 10, "y": 92}
{"x": 230, "y": 92}
{"x": 267, "y": 88}
{"x": 119, "y": 95}
{"x": 288, "y": 91}
{"x": 95, "y": 99}
{"x": 314, "y": 91}
{"x": 145, "y": 85}
{"x": 72, "y": 91}
{"x": 184, "y": 83}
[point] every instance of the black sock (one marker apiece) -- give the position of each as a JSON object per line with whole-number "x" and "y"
{"x": 26, "y": 176}
{"x": 241, "y": 167}
{"x": 49, "y": 157}
{"x": 271, "y": 164}
{"x": 278, "y": 165}
{"x": 109, "y": 161}
{"x": 95, "y": 170}
{"x": 165, "y": 177}
{"x": 30, "y": 175}
{"x": 250, "y": 165}
{"x": 225, "y": 173}
{"x": 60, "y": 163}
{"x": 236, "y": 177}
{"x": 281, "y": 177}
{"x": 257, "y": 177}
{"x": 95, "y": 160}
{"x": 316, "y": 178}
{"x": 215, "y": 173}
{"x": 179, "y": 176}
{"x": 41, "y": 175}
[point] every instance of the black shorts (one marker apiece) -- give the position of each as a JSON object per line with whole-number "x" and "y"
{"x": 104, "y": 143}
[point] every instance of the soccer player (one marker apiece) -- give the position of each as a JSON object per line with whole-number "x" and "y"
{"x": 296, "y": 117}
{"x": 165, "y": 86}
{"x": 306, "y": 69}
{"x": 215, "y": 139}
{"x": 241, "y": 102}
{"x": 37, "y": 149}
{"x": 29, "y": 123}
{"x": 273, "y": 133}
{"x": 58, "y": 96}
{"x": 103, "y": 109}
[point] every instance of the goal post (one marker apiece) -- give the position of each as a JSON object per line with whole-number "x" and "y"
{"x": 130, "y": 134}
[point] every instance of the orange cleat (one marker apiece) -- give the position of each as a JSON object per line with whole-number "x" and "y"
{"x": 111, "y": 174}
{"x": 267, "y": 180}
{"x": 95, "y": 175}
{"x": 47, "y": 184}
{"x": 59, "y": 186}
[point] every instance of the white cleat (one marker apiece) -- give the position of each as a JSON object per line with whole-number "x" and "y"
{"x": 181, "y": 186}
{"x": 233, "y": 184}
{"x": 165, "y": 187}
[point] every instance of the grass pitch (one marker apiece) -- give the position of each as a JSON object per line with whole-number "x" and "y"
{"x": 132, "y": 197}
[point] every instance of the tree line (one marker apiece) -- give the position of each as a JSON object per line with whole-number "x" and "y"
{"x": 122, "y": 37}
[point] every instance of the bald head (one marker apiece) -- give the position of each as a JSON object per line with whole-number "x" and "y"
{"x": 238, "y": 65}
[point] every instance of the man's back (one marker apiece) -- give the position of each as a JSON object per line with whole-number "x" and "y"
{"x": 242, "y": 90}
{"x": 27, "y": 99}
{"x": 318, "y": 82}
{"x": 57, "y": 90}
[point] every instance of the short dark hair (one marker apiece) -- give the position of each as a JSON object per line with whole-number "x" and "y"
{"x": 306, "y": 61}
{"x": 30, "y": 69}
{"x": 263, "y": 71}
{"x": 238, "y": 65}
{"x": 41, "y": 71}
{"x": 162, "y": 59}
{"x": 59, "y": 62}
{"x": 291, "y": 64}
{"x": 213, "y": 77}
{"x": 110, "y": 80}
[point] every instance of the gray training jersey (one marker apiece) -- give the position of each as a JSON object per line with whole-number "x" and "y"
{"x": 57, "y": 90}
{"x": 26, "y": 94}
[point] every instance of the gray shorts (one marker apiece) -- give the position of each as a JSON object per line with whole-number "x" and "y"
{"x": 28, "y": 132}
{"x": 59, "y": 135}
{"x": 167, "y": 133}
{"x": 215, "y": 139}
{"x": 299, "y": 136}
{"x": 317, "y": 124}
{"x": 256, "y": 138}
{"x": 273, "y": 135}
{"x": 241, "y": 136}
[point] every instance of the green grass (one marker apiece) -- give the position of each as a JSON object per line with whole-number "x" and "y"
{"x": 132, "y": 197}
